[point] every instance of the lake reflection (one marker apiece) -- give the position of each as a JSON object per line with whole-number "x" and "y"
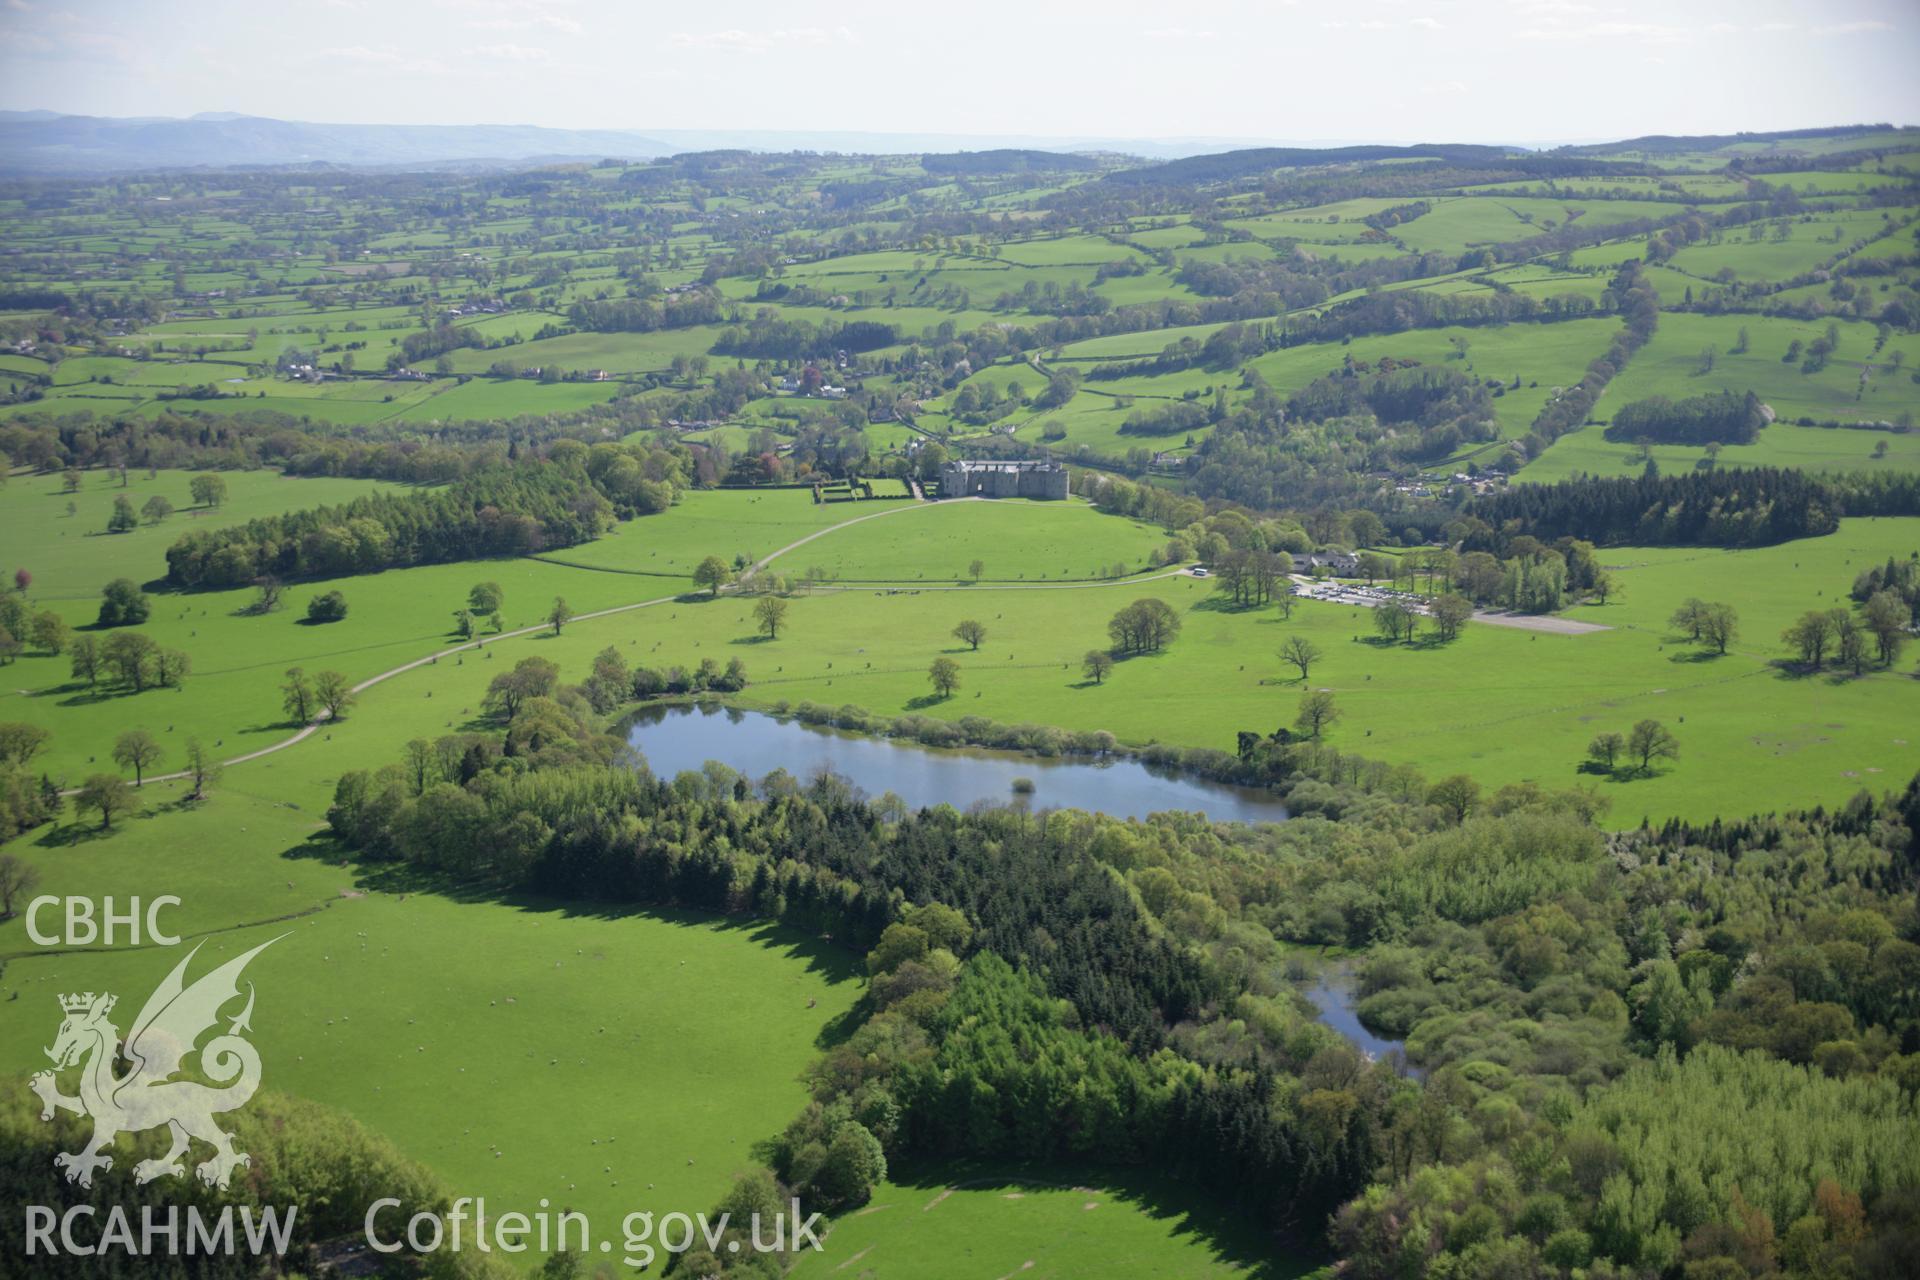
{"x": 1332, "y": 994}
{"x": 675, "y": 739}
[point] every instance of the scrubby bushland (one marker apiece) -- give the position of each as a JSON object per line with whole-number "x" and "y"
{"x": 311, "y": 1164}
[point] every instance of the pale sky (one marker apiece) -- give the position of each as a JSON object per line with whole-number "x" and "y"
{"x": 1364, "y": 70}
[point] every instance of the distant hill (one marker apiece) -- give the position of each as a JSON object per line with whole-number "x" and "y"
{"x": 1558, "y": 162}
{"x": 48, "y": 142}
{"x": 1782, "y": 140}
{"x": 1005, "y": 160}
{"x": 1239, "y": 164}
{"x": 41, "y": 142}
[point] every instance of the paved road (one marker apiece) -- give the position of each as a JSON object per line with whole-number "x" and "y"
{"x": 1537, "y": 622}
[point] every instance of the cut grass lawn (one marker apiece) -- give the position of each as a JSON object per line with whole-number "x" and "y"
{"x": 374, "y": 1003}
{"x": 232, "y": 699}
{"x": 743, "y": 525}
{"x": 1504, "y": 705}
{"x": 957, "y": 1224}
{"x": 1015, "y": 541}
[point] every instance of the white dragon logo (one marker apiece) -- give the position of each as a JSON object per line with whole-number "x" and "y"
{"x": 173, "y": 1018}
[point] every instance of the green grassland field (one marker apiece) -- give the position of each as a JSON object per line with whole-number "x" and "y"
{"x": 1509, "y": 704}
{"x": 372, "y": 1002}
{"x": 954, "y": 1224}
{"x": 1862, "y": 384}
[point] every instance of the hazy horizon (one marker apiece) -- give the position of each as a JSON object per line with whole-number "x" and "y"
{"x": 991, "y": 137}
{"x": 1502, "y": 72}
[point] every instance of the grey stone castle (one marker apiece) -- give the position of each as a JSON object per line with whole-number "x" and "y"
{"x": 1020, "y": 479}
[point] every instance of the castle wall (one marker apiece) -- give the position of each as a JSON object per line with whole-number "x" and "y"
{"x": 958, "y": 480}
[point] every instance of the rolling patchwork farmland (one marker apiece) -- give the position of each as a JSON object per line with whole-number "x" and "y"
{"x": 1542, "y": 531}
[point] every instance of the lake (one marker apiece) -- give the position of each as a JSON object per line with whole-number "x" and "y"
{"x": 675, "y": 739}
{"x": 1332, "y": 994}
